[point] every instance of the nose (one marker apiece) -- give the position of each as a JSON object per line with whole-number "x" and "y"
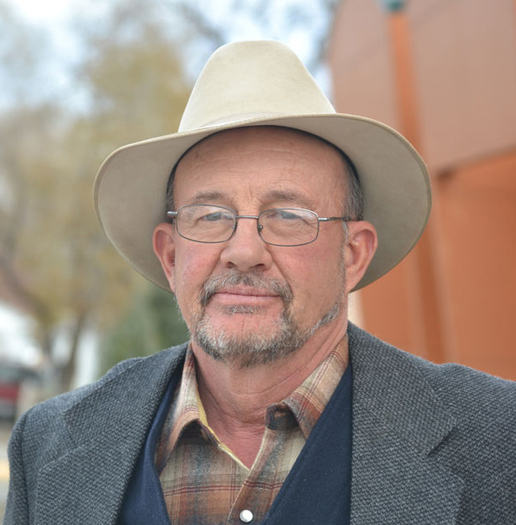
{"x": 245, "y": 250}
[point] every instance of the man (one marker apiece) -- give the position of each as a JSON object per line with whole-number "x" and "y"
{"x": 261, "y": 215}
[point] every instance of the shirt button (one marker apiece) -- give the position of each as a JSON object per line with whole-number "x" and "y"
{"x": 246, "y": 516}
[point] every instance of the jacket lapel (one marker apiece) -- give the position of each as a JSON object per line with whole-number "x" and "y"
{"x": 398, "y": 426}
{"x": 122, "y": 407}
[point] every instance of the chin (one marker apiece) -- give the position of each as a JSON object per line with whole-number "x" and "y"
{"x": 249, "y": 344}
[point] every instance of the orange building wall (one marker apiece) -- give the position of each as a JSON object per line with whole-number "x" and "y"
{"x": 444, "y": 74}
{"x": 477, "y": 212}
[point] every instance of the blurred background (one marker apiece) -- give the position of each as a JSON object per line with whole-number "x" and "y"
{"x": 79, "y": 79}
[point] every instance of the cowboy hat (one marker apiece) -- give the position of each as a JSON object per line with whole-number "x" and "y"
{"x": 263, "y": 83}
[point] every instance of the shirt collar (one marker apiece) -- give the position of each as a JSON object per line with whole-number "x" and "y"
{"x": 306, "y": 403}
{"x": 183, "y": 411}
{"x": 308, "y": 400}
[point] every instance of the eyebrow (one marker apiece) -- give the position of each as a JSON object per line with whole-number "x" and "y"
{"x": 207, "y": 196}
{"x": 288, "y": 196}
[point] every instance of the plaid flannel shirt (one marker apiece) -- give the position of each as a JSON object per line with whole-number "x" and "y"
{"x": 203, "y": 482}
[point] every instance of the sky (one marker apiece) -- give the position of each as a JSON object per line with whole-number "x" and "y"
{"x": 49, "y": 10}
{"x": 55, "y": 14}
{"x": 15, "y": 342}
{"x": 52, "y": 19}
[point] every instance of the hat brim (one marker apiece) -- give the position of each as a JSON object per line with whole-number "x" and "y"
{"x": 130, "y": 188}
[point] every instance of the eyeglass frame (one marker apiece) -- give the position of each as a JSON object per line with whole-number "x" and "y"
{"x": 172, "y": 215}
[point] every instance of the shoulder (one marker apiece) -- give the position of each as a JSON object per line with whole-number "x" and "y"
{"x": 170, "y": 356}
{"x": 45, "y": 418}
{"x": 460, "y": 420}
{"x": 119, "y": 400}
{"x": 463, "y": 390}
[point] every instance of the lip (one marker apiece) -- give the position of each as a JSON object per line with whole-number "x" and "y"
{"x": 244, "y": 295}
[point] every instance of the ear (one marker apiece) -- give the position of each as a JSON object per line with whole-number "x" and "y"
{"x": 359, "y": 250}
{"x": 165, "y": 250}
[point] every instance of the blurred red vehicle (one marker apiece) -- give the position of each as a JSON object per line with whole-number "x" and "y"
{"x": 11, "y": 378}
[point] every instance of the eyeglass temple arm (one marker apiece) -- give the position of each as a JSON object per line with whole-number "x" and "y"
{"x": 326, "y": 219}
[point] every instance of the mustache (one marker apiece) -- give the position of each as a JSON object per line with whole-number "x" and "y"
{"x": 218, "y": 282}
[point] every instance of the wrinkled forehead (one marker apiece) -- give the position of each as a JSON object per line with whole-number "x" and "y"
{"x": 282, "y": 144}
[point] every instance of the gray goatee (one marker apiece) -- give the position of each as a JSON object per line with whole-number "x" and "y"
{"x": 254, "y": 348}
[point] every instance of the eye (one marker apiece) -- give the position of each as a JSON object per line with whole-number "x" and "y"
{"x": 288, "y": 215}
{"x": 217, "y": 216}
{"x": 212, "y": 217}
{"x": 283, "y": 215}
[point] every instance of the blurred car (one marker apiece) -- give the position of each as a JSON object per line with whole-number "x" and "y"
{"x": 11, "y": 378}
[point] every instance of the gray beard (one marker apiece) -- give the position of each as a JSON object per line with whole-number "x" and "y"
{"x": 254, "y": 349}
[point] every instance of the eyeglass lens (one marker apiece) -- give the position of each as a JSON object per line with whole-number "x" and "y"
{"x": 280, "y": 226}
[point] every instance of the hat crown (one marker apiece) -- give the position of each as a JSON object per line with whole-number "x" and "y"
{"x": 245, "y": 80}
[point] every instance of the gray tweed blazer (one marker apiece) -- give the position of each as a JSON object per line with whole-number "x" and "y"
{"x": 431, "y": 444}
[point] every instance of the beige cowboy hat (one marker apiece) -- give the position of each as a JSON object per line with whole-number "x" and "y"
{"x": 260, "y": 83}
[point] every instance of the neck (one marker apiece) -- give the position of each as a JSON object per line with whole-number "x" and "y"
{"x": 235, "y": 399}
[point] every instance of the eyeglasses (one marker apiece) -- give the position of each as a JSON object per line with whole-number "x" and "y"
{"x": 278, "y": 226}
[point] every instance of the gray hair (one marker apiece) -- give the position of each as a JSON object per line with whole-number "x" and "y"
{"x": 354, "y": 205}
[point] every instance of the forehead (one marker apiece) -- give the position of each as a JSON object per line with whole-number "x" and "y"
{"x": 258, "y": 158}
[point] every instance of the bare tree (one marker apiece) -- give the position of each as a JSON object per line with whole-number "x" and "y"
{"x": 54, "y": 260}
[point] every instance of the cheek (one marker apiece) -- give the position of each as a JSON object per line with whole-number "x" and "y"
{"x": 315, "y": 276}
{"x": 192, "y": 269}
{"x": 302, "y": 271}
